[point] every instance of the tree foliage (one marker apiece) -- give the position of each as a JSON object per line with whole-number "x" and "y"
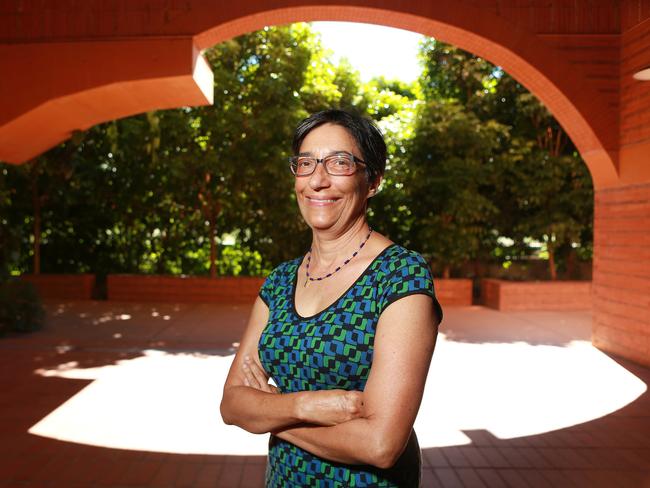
{"x": 509, "y": 169}
{"x": 450, "y": 161}
{"x": 473, "y": 159}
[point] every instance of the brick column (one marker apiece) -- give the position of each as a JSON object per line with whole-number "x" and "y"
{"x": 621, "y": 274}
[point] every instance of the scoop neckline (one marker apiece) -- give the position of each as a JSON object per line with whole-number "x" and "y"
{"x": 359, "y": 278}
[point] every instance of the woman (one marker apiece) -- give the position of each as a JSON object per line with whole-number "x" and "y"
{"x": 346, "y": 332}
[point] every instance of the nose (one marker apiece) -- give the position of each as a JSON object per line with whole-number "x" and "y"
{"x": 319, "y": 178}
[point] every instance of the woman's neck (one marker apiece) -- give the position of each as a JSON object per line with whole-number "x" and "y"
{"x": 329, "y": 249}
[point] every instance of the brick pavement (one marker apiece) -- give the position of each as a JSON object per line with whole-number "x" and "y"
{"x": 609, "y": 451}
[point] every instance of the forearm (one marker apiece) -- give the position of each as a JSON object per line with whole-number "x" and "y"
{"x": 257, "y": 411}
{"x": 321, "y": 407}
{"x": 358, "y": 441}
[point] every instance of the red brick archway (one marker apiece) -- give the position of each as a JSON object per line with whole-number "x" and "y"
{"x": 563, "y": 87}
{"x": 578, "y": 59}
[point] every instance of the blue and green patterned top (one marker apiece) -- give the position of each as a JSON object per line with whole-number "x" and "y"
{"x": 333, "y": 349}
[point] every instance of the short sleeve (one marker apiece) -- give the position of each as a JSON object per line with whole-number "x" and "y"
{"x": 266, "y": 291}
{"x": 409, "y": 274}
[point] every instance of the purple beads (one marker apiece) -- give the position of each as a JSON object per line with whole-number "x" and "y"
{"x": 339, "y": 267}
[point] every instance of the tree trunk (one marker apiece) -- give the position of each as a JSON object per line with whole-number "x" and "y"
{"x": 36, "y": 203}
{"x": 210, "y": 211}
{"x": 551, "y": 263}
{"x": 213, "y": 244}
{"x": 160, "y": 263}
{"x": 478, "y": 272}
{"x": 446, "y": 271}
{"x": 213, "y": 247}
{"x": 571, "y": 264}
{"x": 130, "y": 253}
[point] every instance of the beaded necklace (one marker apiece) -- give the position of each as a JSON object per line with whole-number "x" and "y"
{"x": 309, "y": 278}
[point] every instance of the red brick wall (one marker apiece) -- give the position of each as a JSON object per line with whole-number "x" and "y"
{"x": 61, "y": 286}
{"x": 188, "y": 289}
{"x": 596, "y": 56}
{"x": 490, "y": 293}
{"x": 621, "y": 319}
{"x": 538, "y": 295}
{"x": 633, "y": 12}
{"x": 35, "y": 21}
{"x": 456, "y": 292}
{"x": 634, "y": 160}
{"x": 145, "y": 288}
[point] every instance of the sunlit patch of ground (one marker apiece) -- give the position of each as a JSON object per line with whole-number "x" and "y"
{"x": 169, "y": 402}
{"x": 518, "y": 389}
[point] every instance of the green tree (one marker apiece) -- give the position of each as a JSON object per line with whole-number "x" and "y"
{"x": 533, "y": 161}
{"x": 239, "y": 157}
{"x": 206, "y": 190}
{"x": 11, "y": 227}
{"x": 450, "y": 157}
{"x": 549, "y": 184}
{"x": 394, "y": 106}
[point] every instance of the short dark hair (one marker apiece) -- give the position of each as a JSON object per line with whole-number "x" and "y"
{"x": 364, "y": 131}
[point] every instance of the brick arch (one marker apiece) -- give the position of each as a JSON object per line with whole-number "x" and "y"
{"x": 167, "y": 72}
{"x": 539, "y": 67}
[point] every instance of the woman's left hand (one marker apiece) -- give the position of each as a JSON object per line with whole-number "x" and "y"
{"x": 256, "y": 377}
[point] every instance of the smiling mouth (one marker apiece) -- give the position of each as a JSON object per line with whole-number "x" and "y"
{"x": 321, "y": 200}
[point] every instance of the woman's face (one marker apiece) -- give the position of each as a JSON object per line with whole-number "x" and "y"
{"x": 329, "y": 202}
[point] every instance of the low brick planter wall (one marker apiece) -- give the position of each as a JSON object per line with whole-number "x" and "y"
{"x": 183, "y": 289}
{"x": 455, "y": 292}
{"x": 62, "y": 286}
{"x": 536, "y": 295}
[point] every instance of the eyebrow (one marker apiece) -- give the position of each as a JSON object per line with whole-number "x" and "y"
{"x": 333, "y": 153}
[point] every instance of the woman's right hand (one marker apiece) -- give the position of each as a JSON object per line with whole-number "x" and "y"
{"x": 330, "y": 407}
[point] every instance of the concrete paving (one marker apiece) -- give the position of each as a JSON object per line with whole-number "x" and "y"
{"x": 125, "y": 395}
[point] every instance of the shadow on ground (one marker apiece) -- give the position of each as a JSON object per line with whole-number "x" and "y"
{"x": 611, "y": 451}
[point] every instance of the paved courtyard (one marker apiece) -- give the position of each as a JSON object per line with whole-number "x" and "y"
{"x": 126, "y": 395}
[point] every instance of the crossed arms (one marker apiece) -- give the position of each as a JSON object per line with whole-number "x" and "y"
{"x": 369, "y": 427}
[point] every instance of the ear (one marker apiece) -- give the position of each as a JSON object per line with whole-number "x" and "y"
{"x": 373, "y": 189}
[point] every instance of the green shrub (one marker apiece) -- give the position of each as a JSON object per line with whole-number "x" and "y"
{"x": 21, "y": 309}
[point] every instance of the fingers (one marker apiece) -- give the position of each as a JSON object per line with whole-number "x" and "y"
{"x": 249, "y": 377}
{"x": 257, "y": 371}
{"x": 256, "y": 376}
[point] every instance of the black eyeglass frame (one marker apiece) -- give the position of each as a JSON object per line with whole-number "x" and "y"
{"x": 293, "y": 160}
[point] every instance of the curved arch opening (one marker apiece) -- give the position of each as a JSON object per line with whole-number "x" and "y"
{"x": 519, "y": 53}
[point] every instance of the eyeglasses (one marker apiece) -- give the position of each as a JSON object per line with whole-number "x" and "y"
{"x": 339, "y": 164}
